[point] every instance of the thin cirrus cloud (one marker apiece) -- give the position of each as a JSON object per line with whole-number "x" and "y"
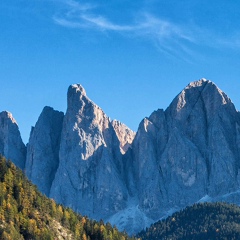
{"x": 170, "y": 38}
{"x": 79, "y": 15}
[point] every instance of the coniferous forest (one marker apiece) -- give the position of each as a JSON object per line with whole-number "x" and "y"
{"x": 198, "y": 222}
{"x": 26, "y": 214}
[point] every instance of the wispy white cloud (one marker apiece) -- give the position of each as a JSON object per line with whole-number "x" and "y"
{"x": 82, "y": 15}
{"x": 157, "y": 27}
{"x": 69, "y": 23}
{"x": 170, "y": 38}
{"x": 104, "y": 24}
{"x": 167, "y": 36}
{"x": 77, "y": 15}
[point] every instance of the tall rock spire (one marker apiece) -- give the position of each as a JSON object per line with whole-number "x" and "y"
{"x": 11, "y": 144}
{"x": 43, "y": 149}
{"x": 90, "y": 173}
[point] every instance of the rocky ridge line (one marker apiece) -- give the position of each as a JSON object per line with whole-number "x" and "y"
{"x": 187, "y": 153}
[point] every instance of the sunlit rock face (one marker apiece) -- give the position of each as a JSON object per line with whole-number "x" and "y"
{"x": 90, "y": 174}
{"x": 125, "y": 135}
{"x": 11, "y": 144}
{"x": 43, "y": 149}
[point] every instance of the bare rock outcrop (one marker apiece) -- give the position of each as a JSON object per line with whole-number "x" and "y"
{"x": 188, "y": 151}
{"x": 90, "y": 174}
{"x": 11, "y": 144}
{"x": 125, "y": 135}
{"x": 43, "y": 149}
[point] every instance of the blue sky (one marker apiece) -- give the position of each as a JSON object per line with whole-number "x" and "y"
{"x": 132, "y": 57}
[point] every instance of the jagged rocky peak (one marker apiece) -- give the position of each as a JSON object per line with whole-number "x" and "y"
{"x": 76, "y": 90}
{"x": 11, "y": 144}
{"x": 7, "y": 115}
{"x": 199, "y": 83}
{"x": 207, "y": 86}
{"x": 43, "y": 149}
{"x": 74, "y": 94}
{"x": 158, "y": 118}
{"x": 86, "y": 111}
{"x": 202, "y": 94}
{"x": 90, "y": 173}
{"x": 125, "y": 135}
{"x": 207, "y": 119}
{"x": 188, "y": 151}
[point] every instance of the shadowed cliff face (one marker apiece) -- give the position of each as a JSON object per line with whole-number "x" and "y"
{"x": 11, "y": 144}
{"x": 209, "y": 120}
{"x": 43, "y": 149}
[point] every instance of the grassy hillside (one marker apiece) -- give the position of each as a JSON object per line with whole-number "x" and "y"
{"x": 200, "y": 221}
{"x": 26, "y": 214}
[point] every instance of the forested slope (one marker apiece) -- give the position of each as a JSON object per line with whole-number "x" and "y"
{"x": 26, "y": 214}
{"x": 200, "y": 221}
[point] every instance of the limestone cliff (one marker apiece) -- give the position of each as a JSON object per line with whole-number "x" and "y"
{"x": 90, "y": 174}
{"x": 188, "y": 151}
{"x": 43, "y": 149}
{"x": 125, "y": 135}
{"x": 11, "y": 144}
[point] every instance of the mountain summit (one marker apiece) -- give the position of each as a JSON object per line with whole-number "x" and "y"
{"x": 90, "y": 173}
{"x": 43, "y": 149}
{"x": 188, "y": 153}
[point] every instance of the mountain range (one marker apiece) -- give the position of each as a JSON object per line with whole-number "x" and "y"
{"x": 185, "y": 154}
